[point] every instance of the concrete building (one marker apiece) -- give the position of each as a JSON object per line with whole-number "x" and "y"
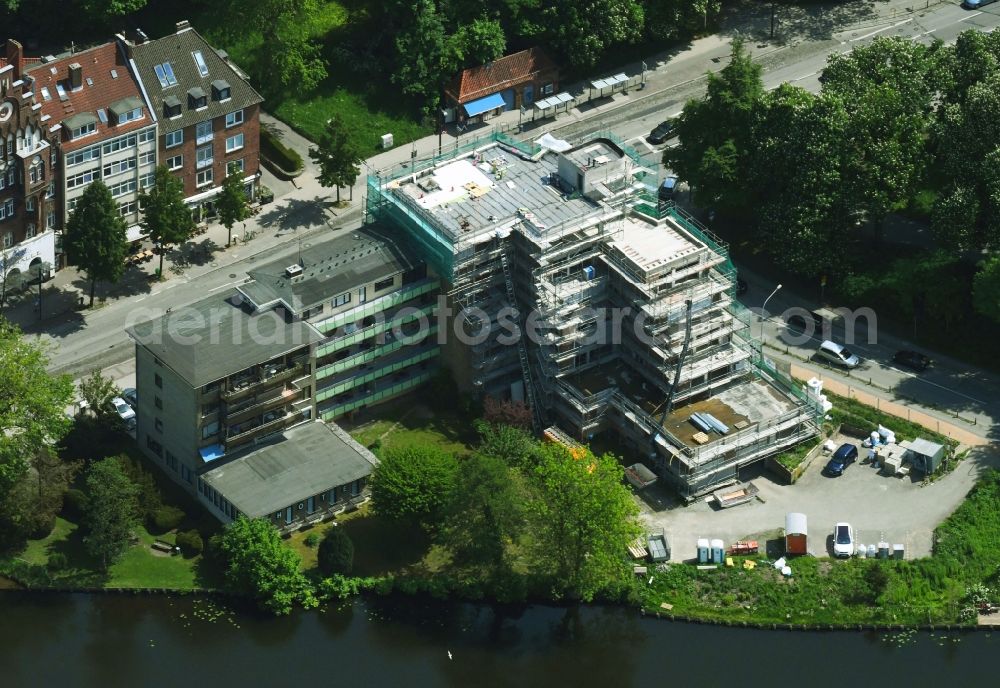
{"x": 222, "y": 383}
{"x": 28, "y": 162}
{"x": 208, "y": 113}
{"x": 627, "y": 308}
{"x": 96, "y": 111}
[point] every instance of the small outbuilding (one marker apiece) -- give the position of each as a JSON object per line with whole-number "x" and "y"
{"x": 796, "y": 533}
{"x": 924, "y": 456}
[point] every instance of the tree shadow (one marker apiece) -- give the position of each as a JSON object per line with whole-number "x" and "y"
{"x": 60, "y": 312}
{"x": 293, "y": 214}
{"x": 811, "y": 21}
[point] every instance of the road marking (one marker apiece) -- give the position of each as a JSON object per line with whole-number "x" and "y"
{"x": 221, "y": 286}
{"x": 878, "y": 31}
{"x": 957, "y": 21}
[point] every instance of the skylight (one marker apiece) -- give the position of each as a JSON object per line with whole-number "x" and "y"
{"x": 165, "y": 74}
{"x": 103, "y": 115}
{"x": 45, "y": 93}
{"x": 90, "y": 82}
{"x": 199, "y": 60}
{"x": 61, "y": 91}
{"x": 114, "y": 73}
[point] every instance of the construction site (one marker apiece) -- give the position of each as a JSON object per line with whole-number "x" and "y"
{"x": 575, "y": 291}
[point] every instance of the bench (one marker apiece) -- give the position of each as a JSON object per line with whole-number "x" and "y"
{"x": 162, "y": 546}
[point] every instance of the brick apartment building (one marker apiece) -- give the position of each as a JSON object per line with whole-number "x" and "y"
{"x": 28, "y": 157}
{"x": 207, "y": 110}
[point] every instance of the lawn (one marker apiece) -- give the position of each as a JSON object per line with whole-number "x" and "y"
{"x": 793, "y": 457}
{"x": 405, "y": 422}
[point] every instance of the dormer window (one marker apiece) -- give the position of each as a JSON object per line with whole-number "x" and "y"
{"x": 80, "y": 125}
{"x": 171, "y": 106}
{"x": 197, "y": 98}
{"x": 126, "y": 110}
{"x": 85, "y": 130}
{"x": 221, "y": 90}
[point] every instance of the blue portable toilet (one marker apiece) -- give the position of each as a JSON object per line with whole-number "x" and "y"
{"x": 589, "y": 272}
{"x": 703, "y": 551}
{"x": 718, "y": 551}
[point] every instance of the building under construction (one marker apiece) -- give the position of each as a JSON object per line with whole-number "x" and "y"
{"x": 573, "y": 290}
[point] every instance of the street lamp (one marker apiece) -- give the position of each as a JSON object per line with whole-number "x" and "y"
{"x": 763, "y": 316}
{"x": 40, "y": 271}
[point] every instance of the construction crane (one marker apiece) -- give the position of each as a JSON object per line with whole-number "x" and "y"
{"x": 669, "y": 404}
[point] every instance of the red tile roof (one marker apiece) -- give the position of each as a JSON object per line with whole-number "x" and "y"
{"x": 508, "y": 71}
{"x": 96, "y": 64}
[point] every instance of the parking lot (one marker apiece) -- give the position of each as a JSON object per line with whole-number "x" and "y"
{"x": 879, "y": 506}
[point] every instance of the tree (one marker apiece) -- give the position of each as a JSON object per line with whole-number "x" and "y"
{"x": 715, "y": 134}
{"x": 486, "y": 514}
{"x": 98, "y": 391}
{"x": 582, "y": 521}
{"x": 336, "y": 553}
{"x": 479, "y": 42}
{"x": 413, "y": 481}
{"x": 165, "y": 215}
{"x": 259, "y": 565}
{"x": 95, "y": 239}
{"x": 512, "y": 445}
{"x": 673, "y": 19}
{"x": 585, "y": 31}
{"x": 105, "y": 9}
{"x": 112, "y": 511}
{"x": 514, "y": 413}
{"x": 424, "y": 59}
{"x": 32, "y": 405}
{"x": 986, "y": 288}
{"x": 29, "y": 509}
{"x": 337, "y": 156}
{"x": 232, "y": 201}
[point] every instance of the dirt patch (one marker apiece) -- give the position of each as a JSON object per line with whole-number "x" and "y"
{"x": 680, "y": 426}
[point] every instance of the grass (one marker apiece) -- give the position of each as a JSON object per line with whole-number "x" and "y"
{"x": 853, "y": 412}
{"x": 405, "y": 422}
{"x": 793, "y": 457}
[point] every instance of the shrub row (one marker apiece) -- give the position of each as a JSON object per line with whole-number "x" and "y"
{"x": 275, "y": 151}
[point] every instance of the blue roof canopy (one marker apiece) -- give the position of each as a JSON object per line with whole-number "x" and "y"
{"x": 478, "y": 107}
{"x": 212, "y": 452}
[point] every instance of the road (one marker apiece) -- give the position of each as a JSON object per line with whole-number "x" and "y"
{"x": 99, "y": 340}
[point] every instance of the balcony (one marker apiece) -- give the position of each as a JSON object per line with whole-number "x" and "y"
{"x": 253, "y": 379}
{"x": 270, "y": 422}
{"x": 261, "y": 403}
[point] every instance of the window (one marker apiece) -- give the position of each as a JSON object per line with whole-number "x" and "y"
{"x": 547, "y": 89}
{"x": 234, "y": 143}
{"x": 175, "y": 163}
{"x": 171, "y": 461}
{"x": 204, "y": 156}
{"x": 120, "y": 143}
{"x": 154, "y": 446}
{"x": 45, "y": 94}
{"x": 29, "y": 204}
{"x": 146, "y": 180}
{"x": 119, "y": 167}
{"x": 36, "y": 172}
{"x": 7, "y": 211}
{"x": 102, "y": 115}
{"x": 130, "y": 116}
{"x": 85, "y": 130}
{"x": 165, "y": 75}
{"x": 210, "y": 429}
{"x": 235, "y": 165}
{"x": 384, "y": 284}
{"x": 71, "y": 203}
{"x": 49, "y": 192}
{"x": 85, "y": 155}
{"x": 199, "y": 61}
{"x": 147, "y": 135}
{"x": 53, "y": 158}
{"x": 174, "y": 138}
{"x": 8, "y": 239}
{"x": 3, "y": 182}
{"x": 158, "y": 424}
{"x": 362, "y": 294}
{"x": 147, "y": 158}
{"x": 157, "y": 401}
{"x": 127, "y": 208}
{"x": 186, "y": 473}
{"x": 203, "y": 131}
{"x": 234, "y": 118}
{"x": 158, "y": 381}
{"x": 50, "y": 220}
{"x": 342, "y": 299}
{"x": 204, "y": 177}
{"x": 209, "y": 409}
{"x": 122, "y": 188}
{"x": 30, "y": 231}
{"x": 83, "y": 178}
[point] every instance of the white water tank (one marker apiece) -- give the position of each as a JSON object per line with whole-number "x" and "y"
{"x": 387, "y": 141}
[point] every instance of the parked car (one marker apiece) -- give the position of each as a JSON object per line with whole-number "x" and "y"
{"x": 663, "y": 131}
{"x": 912, "y": 359}
{"x": 837, "y": 354}
{"x": 846, "y": 454}
{"x": 975, "y": 4}
{"x": 131, "y": 396}
{"x": 843, "y": 540}
{"x": 125, "y": 412}
{"x": 668, "y": 188}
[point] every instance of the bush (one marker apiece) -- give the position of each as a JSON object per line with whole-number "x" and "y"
{"x": 165, "y": 518}
{"x": 312, "y": 539}
{"x": 336, "y": 553}
{"x": 75, "y": 504}
{"x": 278, "y": 153}
{"x": 58, "y": 561}
{"x": 190, "y": 542}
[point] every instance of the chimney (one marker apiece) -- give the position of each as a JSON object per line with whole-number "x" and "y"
{"x": 183, "y": 25}
{"x": 15, "y": 57}
{"x": 75, "y": 76}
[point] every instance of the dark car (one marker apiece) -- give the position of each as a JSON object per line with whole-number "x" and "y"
{"x": 668, "y": 188}
{"x": 912, "y": 359}
{"x": 845, "y": 454}
{"x": 663, "y": 131}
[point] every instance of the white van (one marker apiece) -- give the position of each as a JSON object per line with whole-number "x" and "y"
{"x": 835, "y": 353}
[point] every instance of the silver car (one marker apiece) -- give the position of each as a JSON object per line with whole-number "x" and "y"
{"x": 838, "y": 354}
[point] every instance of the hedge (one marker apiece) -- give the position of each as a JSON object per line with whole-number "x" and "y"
{"x": 274, "y": 150}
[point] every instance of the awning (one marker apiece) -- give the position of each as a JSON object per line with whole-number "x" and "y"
{"x": 134, "y": 233}
{"x": 478, "y": 107}
{"x": 212, "y": 452}
{"x": 553, "y": 101}
{"x": 609, "y": 81}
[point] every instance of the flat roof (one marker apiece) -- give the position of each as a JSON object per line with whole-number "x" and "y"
{"x": 218, "y": 336}
{"x": 301, "y": 462}
{"x": 329, "y": 268}
{"x": 649, "y": 247}
{"x": 586, "y": 152}
{"x": 491, "y": 191}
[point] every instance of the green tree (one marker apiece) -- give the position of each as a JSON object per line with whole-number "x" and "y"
{"x": 336, "y": 553}
{"x": 673, "y": 19}
{"x": 29, "y": 509}
{"x": 112, "y": 511}
{"x": 337, "y": 156}
{"x": 166, "y": 217}
{"x": 585, "y": 31}
{"x": 413, "y": 481}
{"x": 479, "y": 42}
{"x": 986, "y": 288}
{"x": 106, "y": 9}
{"x": 98, "y": 391}
{"x": 715, "y": 134}
{"x": 512, "y": 445}
{"x": 424, "y": 56}
{"x": 32, "y": 405}
{"x": 583, "y": 519}
{"x": 259, "y": 565}
{"x": 486, "y": 514}
{"x": 95, "y": 240}
{"x": 232, "y": 201}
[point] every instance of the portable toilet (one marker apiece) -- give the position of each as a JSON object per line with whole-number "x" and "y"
{"x": 718, "y": 551}
{"x": 883, "y": 550}
{"x": 861, "y": 551}
{"x": 795, "y": 533}
{"x": 703, "y": 552}
{"x": 871, "y": 551}
{"x": 898, "y": 551}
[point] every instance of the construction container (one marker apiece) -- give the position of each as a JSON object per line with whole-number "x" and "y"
{"x": 796, "y": 534}
{"x": 703, "y": 551}
{"x": 897, "y": 551}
